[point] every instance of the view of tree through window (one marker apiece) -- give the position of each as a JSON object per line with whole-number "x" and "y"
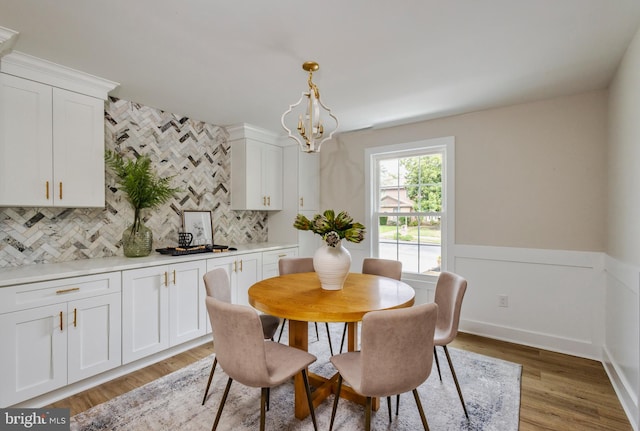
{"x": 409, "y": 211}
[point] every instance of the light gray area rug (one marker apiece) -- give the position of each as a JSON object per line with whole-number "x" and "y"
{"x": 491, "y": 388}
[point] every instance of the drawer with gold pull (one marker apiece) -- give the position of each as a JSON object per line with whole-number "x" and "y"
{"x": 29, "y": 295}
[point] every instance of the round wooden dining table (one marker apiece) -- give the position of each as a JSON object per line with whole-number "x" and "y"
{"x": 300, "y": 299}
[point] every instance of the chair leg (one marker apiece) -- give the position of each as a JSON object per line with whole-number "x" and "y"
{"x": 329, "y": 338}
{"x": 335, "y": 402}
{"x": 224, "y": 400}
{"x": 284, "y": 322}
{"x": 263, "y": 402}
{"x": 455, "y": 379}
{"x": 367, "y": 414}
{"x": 317, "y": 335}
{"x": 307, "y": 388}
{"x": 397, "y": 404}
{"x": 435, "y": 356}
{"x": 344, "y": 335}
{"x": 213, "y": 368}
{"x": 420, "y": 410}
{"x": 268, "y": 397}
{"x": 389, "y": 408}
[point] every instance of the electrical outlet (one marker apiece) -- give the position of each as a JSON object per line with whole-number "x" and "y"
{"x": 503, "y": 301}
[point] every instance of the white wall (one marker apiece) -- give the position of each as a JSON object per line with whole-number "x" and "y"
{"x": 622, "y": 322}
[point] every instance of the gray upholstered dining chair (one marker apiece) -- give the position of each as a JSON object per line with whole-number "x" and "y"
{"x": 450, "y": 290}
{"x": 376, "y": 266}
{"x": 396, "y": 356}
{"x": 216, "y": 283}
{"x": 294, "y": 265}
{"x": 248, "y": 358}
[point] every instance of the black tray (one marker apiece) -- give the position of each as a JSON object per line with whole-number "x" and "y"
{"x": 180, "y": 251}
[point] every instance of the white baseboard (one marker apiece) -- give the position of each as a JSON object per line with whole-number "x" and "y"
{"x": 624, "y": 390}
{"x": 533, "y": 339}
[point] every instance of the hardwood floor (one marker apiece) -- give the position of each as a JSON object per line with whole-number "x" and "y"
{"x": 559, "y": 392}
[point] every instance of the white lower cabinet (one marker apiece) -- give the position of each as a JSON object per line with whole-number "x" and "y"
{"x": 94, "y": 341}
{"x": 70, "y": 328}
{"x": 163, "y": 306}
{"x": 57, "y": 333}
{"x": 244, "y": 270}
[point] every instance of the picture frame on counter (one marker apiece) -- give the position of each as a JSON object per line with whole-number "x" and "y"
{"x": 200, "y": 225}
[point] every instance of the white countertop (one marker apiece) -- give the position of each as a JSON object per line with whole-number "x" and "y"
{"x": 47, "y": 271}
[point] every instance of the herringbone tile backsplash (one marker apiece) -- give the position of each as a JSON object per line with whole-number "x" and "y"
{"x": 195, "y": 153}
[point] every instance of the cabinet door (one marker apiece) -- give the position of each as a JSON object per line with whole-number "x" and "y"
{"x": 94, "y": 341}
{"x": 256, "y": 176}
{"x": 145, "y": 307}
{"x": 256, "y": 198}
{"x": 25, "y": 143}
{"x": 78, "y": 150}
{"x": 33, "y": 359}
{"x": 308, "y": 242}
{"x": 248, "y": 272}
{"x": 229, "y": 264}
{"x": 243, "y": 269}
{"x": 187, "y": 309}
{"x": 272, "y": 176}
{"x": 308, "y": 181}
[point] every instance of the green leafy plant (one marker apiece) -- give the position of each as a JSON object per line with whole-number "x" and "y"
{"x": 331, "y": 227}
{"x": 143, "y": 187}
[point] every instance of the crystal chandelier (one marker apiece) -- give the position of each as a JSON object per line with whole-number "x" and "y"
{"x": 312, "y": 117}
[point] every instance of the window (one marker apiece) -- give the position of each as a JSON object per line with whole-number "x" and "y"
{"x": 410, "y": 196}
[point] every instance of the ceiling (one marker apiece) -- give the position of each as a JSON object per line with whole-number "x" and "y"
{"x": 381, "y": 62}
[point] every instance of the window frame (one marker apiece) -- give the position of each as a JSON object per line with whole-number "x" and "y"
{"x": 446, "y": 145}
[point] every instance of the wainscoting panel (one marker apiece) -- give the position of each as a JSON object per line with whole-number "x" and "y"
{"x": 554, "y": 298}
{"x": 621, "y": 352}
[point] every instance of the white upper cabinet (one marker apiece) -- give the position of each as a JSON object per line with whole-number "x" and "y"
{"x": 51, "y": 135}
{"x": 256, "y": 169}
{"x": 26, "y": 150}
{"x": 301, "y": 183}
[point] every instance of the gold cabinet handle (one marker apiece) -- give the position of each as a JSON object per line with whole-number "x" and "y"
{"x": 73, "y": 289}
{"x": 301, "y": 202}
{"x": 61, "y": 321}
{"x": 264, "y": 200}
{"x": 235, "y": 266}
{"x": 280, "y": 256}
{"x": 47, "y": 190}
{"x": 174, "y": 276}
{"x": 75, "y": 317}
{"x": 240, "y": 265}
{"x": 61, "y": 190}
{"x": 269, "y": 201}
{"x": 166, "y": 279}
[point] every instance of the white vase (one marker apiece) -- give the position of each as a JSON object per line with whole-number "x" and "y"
{"x": 332, "y": 265}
